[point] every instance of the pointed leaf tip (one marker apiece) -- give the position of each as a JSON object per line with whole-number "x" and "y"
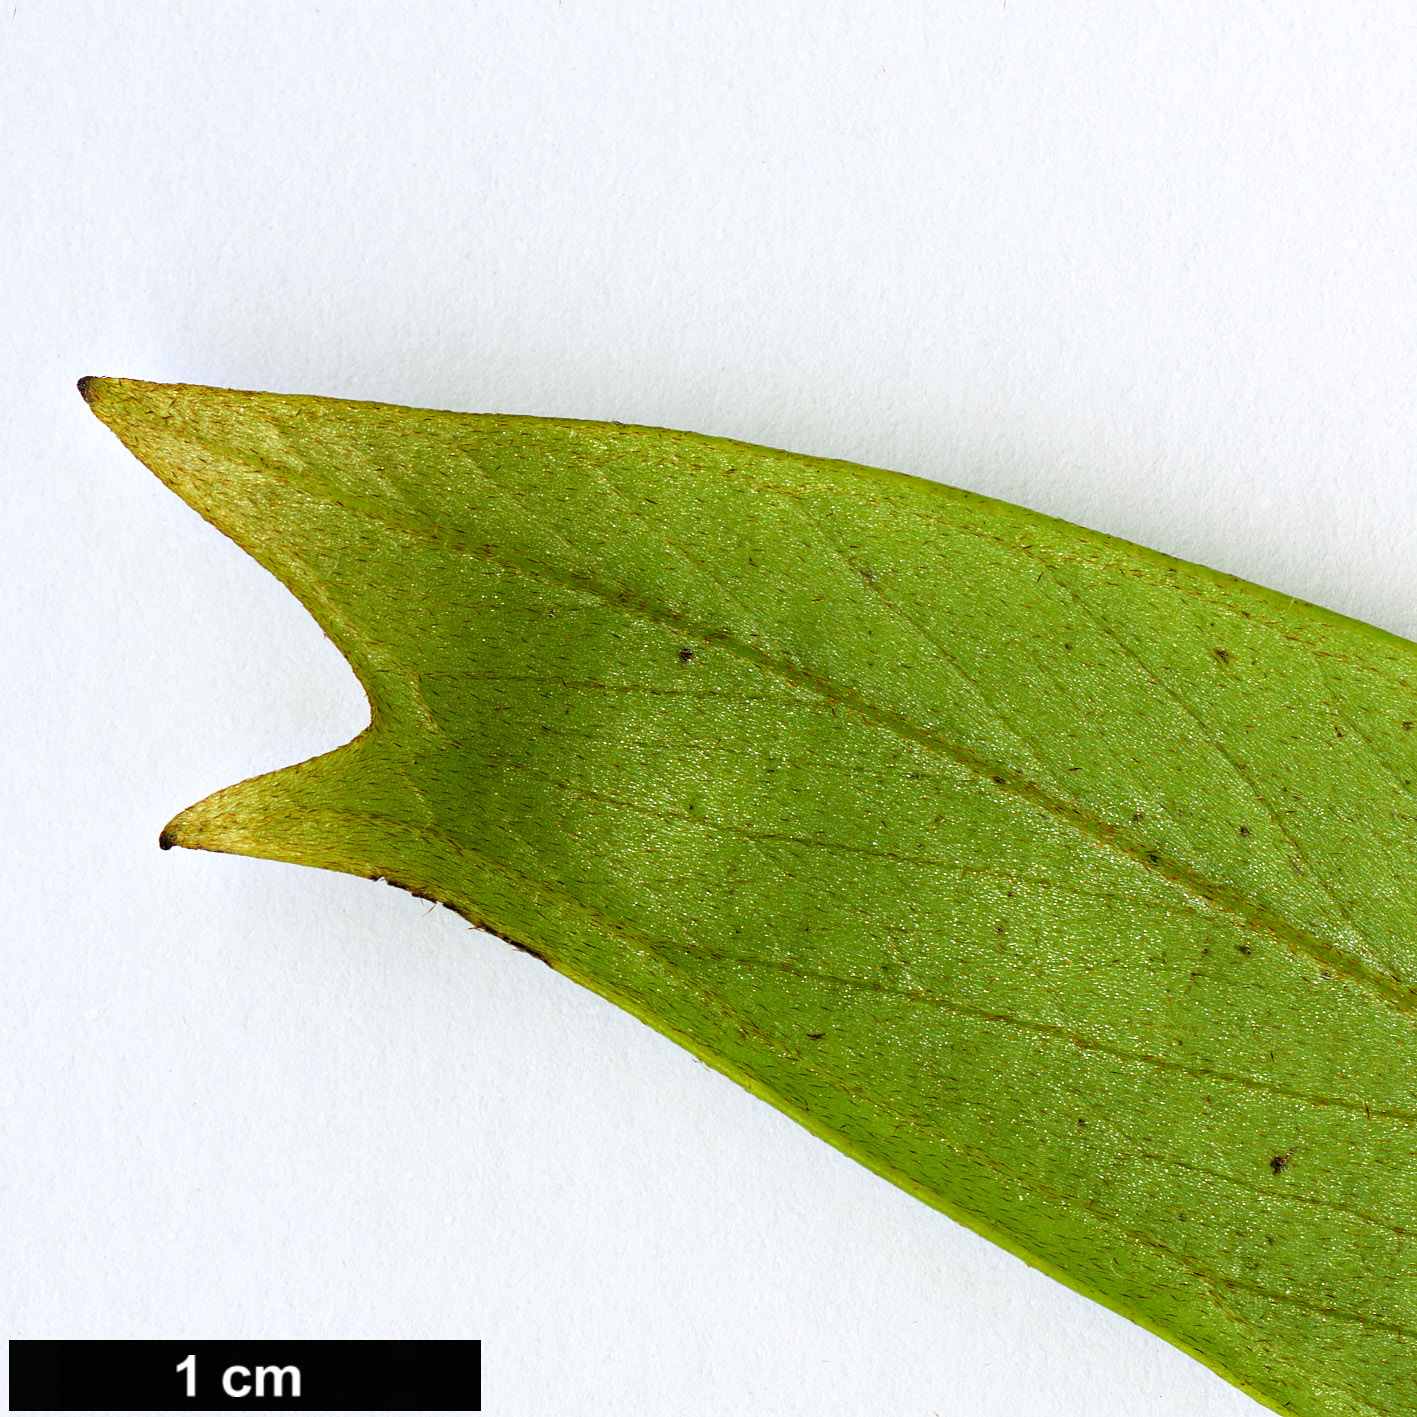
{"x": 100, "y": 390}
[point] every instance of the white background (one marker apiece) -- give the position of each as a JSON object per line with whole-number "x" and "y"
{"x": 1152, "y": 272}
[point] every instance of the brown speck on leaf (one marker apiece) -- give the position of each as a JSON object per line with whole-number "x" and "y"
{"x": 1244, "y": 831}
{"x": 815, "y": 1036}
{"x": 1280, "y": 1163}
{"x": 685, "y": 655}
{"x": 1244, "y": 949}
{"x": 1407, "y": 723}
{"x": 1223, "y": 655}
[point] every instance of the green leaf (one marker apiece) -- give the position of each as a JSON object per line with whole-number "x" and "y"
{"x": 1067, "y": 885}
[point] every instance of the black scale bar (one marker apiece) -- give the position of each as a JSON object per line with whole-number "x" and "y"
{"x": 99, "y": 1375}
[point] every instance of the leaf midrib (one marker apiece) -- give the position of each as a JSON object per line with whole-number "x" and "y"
{"x": 1206, "y": 894}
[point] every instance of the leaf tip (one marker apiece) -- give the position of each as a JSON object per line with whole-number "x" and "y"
{"x": 185, "y": 829}
{"x": 216, "y": 823}
{"x": 311, "y": 814}
{"x": 118, "y": 402}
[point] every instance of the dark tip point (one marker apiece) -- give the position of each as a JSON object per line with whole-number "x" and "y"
{"x": 86, "y": 387}
{"x": 166, "y": 841}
